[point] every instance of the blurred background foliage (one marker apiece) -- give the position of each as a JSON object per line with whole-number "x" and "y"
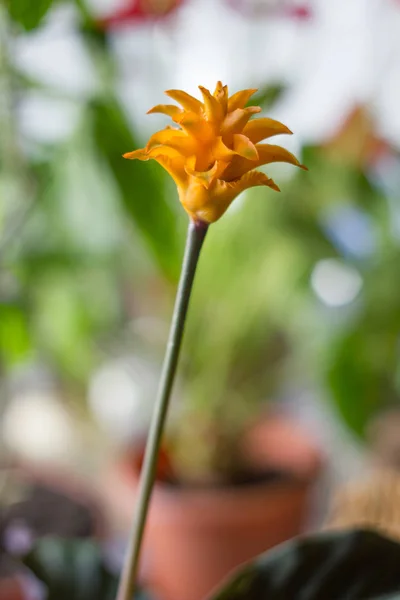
{"x": 297, "y": 290}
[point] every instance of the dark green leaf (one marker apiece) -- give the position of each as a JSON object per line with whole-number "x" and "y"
{"x": 28, "y": 13}
{"x": 72, "y": 569}
{"x": 355, "y": 386}
{"x": 351, "y": 565}
{"x": 364, "y": 359}
{"x": 142, "y": 186}
{"x": 15, "y": 341}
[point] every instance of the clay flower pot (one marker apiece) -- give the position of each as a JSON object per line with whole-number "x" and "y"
{"x": 196, "y": 536}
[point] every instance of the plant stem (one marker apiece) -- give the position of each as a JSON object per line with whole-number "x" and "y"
{"x": 194, "y": 241}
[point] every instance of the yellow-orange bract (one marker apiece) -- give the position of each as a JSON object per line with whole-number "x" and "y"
{"x": 213, "y": 153}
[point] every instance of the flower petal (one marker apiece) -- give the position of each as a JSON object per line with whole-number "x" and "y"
{"x": 230, "y": 190}
{"x": 174, "y": 167}
{"x": 186, "y": 100}
{"x": 221, "y": 94}
{"x": 164, "y": 150}
{"x": 240, "y": 99}
{"x": 244, "y": 147}
{"x": 168, "y": 158}
{"x": 166, "y": 109}
{"x": 267, "y": 153}
{"x": 212, "y": 108}
{"x": 206, "y": 178}
{"x": 195, "y": 126}
{"x": 257, "y": 178}
{"x": 209, "y": 205}
{"x": 186, "y": 145}
{"x": 235, "y": 121}
{"x": 260, "y": 129}
{"x": 218, "y": 89}
{"x": 164, "y": 136}
{"x": 139, "y": 154}
{"x": 221, "y": 152}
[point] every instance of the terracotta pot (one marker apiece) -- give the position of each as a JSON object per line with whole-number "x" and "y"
{"x": 195, "y": 537}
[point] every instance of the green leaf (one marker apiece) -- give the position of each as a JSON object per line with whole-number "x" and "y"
{"x": 73, "y": 570}
{"x": 64, "y": 322}
{"x": 28, "y": 13}
{"x": 142, "y": 187}
{"x": 356, "y": 388}
{"x": 361, "y": 372}
{"x": 15, "y": 340}
{"x": 350, "y": 565}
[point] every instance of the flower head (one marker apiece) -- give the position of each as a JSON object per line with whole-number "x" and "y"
{"x": 213, "y": 152}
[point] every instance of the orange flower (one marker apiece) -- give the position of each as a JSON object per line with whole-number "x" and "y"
{"x": 213, "y": 153}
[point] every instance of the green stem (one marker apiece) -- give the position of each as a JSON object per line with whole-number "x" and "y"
{"x": 195, "y": 238}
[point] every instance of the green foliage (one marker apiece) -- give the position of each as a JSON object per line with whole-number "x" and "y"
{"x": 254, "y": 322}
{"x": 351, "y": 565}
{"x": 73, "y": 570}
{"x": 15, "y": 341}
{"x": 64, "y": 323}
{"x": 28, "y": 13}
{"x": 361, "y": 373}
{"x": 143, "y": 190}
{"x": 356, "y": 361}
{"x": 363, "y": 356}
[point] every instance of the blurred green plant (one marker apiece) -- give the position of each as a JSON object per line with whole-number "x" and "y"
{"x": 363, "y": 367}
{"x": 143, "y": 191}
{"x": 28, "y": 14}
{"x": 72, "y": 569}
{"x": 83, "y": 219}
{"x": 75, "y": 217}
